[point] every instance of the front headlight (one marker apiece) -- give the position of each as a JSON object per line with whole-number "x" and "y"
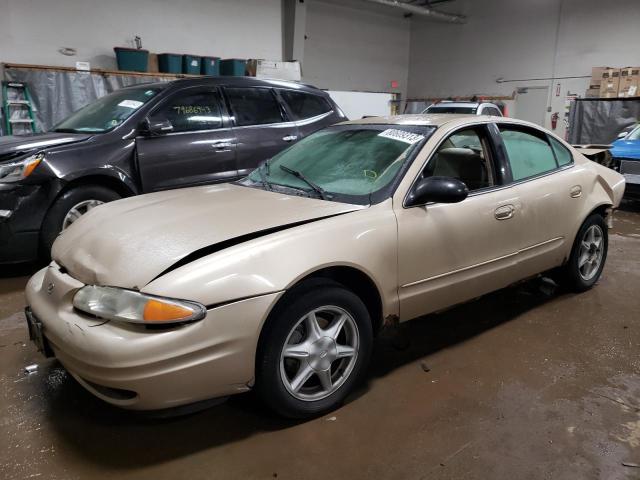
{"x": 112, "y": 303}
{"x": 19, "y": 169}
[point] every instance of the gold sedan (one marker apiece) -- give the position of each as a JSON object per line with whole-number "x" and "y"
{"x": 280, "y": 281}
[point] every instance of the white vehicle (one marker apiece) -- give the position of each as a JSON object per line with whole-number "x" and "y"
{"x": 470, "y": 108}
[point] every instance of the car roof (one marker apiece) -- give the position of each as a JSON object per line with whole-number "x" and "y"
{"x": 436, "y": 120}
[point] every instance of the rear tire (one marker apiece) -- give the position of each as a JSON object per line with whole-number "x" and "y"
{"x": 314, "y": 349}
{"x": 588, "y": 255}
{"x": 72, "y": 203}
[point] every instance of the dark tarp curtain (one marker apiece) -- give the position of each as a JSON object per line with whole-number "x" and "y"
{"x": 595, "y": 120}
{"x": 58, "y": 93}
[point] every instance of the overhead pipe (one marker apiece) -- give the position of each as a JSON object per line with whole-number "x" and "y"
{"x": 423, "y": 10}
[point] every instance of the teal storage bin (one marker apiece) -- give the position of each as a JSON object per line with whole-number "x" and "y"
{"x": 210, "y": 66}
{"x": 191, "y": 64}
{"x": 132, "y": 59}
{"x": 170, "y": 62}
{"x": 232, "y": 67}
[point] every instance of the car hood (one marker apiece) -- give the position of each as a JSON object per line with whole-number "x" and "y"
{"x": 130, "y": 242}
{"x": 626, "y": 148}
{"x": 16, "y": 146}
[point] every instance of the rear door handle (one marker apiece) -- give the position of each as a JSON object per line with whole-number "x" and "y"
{"x": 575, "y": 191}
{"x": 290, "y": 138}
{"x": 504, "y": 212}
{"x": 222, "y": 146}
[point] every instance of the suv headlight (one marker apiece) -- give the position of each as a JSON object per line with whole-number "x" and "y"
{"x": 19, "y": 169}
{"x": 112, "y": 303}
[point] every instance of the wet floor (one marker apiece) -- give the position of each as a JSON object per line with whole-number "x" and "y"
{"x": 529, "y": 382}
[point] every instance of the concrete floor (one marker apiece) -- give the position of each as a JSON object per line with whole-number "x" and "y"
{"x": 523, "y": 383}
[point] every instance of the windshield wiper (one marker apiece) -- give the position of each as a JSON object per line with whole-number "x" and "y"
{"x": 316, "y": 188}
{"x": 65, "y": 130}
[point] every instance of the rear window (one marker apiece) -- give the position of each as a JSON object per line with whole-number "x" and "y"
{"x": 253, "y": 106}
{"x": 305, "y": 105}
{"x": 529, "y": 153}
{"x": 563, "y": 155}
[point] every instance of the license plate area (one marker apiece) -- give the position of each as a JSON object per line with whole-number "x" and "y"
{"x": 36, "y": 334}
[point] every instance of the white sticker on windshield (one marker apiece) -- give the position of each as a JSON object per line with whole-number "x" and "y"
{"x": 406, "y": 137}
{"x": 130, "y": 104}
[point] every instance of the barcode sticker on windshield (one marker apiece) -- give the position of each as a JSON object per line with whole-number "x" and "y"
{"x": 406, "y": 137}
{"x": 130, "y": 104}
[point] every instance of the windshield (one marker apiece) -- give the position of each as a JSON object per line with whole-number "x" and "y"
{"x": 634, "y": 134}
{"x": 349, "y": 163}
{"x": 444, "y": 109}
{"x": 107, "y": 112}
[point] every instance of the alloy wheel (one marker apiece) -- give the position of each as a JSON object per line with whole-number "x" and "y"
{"x": 320, "y": 353}
{"x": 591, "y": 252}
{"x": 78, "y": 210}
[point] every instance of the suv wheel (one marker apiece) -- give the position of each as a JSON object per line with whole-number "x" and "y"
{"x": 70, "y": 206}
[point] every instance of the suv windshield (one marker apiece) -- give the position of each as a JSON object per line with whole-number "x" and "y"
{"x": 107, "y": 112}
{"x": 442, "y": 109}
{"x": 350, "y": 163}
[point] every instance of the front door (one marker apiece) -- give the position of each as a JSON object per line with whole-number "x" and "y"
{"x": 260, "y": 125}
{"x": 200, "y": 148}
{"x": 450, "y": 253}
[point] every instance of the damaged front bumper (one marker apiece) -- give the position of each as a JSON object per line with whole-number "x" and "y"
{"x": 139, "y": 368}
{"x": 22, "y": 210}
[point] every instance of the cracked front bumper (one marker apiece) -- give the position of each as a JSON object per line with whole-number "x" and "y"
{"x": 138, "y": 368}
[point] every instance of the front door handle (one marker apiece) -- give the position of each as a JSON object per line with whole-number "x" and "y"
{"x": 290, "y": 138}
{"x": 504, "y": 212}
{"x": 222, "y": 146}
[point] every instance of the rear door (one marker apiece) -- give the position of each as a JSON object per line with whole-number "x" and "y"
{"x": 311, "y": 112}
{"x": 551, "y": 193}
{"x": 199, "y": 149}
{"x": 260, "y": 125}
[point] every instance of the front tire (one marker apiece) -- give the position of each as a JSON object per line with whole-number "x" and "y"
{"x": 67, "y": 208}
{"x": 315, "y": 348}
{"x": 588, "y": 254}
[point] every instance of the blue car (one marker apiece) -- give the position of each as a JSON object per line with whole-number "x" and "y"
{"x": 626, "y": 151}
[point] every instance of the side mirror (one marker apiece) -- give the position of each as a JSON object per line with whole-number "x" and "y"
{"x": 437, "y": 189}
{"x": 152, "y": 127}
{"x": 622, "y": 134}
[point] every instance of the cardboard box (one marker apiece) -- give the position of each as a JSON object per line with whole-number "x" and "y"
{"x": 596, "y": 76}
{"x": 629, "y": 82}
{"x": 610, "y": 83}
{"x": 274, "y": 70}
{"x": 592, "y": 93}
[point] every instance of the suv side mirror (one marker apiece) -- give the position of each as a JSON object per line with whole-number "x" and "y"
{"x": 437, "y": 189}
{"x": 153, "y": 127}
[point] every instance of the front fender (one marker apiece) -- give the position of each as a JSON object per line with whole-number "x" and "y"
{"x": 364, "y": 239}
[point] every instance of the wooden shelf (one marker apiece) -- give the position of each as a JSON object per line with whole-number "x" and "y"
{"x": 98, "y": 71}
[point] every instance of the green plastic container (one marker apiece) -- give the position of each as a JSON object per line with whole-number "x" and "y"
{"x": 170, "y": 62}
{"x": 132, "y": 59}
{"x": 191, "y": 64}
{"x": 210, "y": 66}
{"x": 232, "y": 67}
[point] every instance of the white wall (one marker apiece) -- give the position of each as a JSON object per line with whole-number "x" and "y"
{"x": 355, "y": 46}
{"x": 522, "y": 40}
{"x": 32, "y": 31}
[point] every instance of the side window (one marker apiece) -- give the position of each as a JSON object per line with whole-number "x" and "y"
{"x": 563, "y": 156}
{"x": 465, "y": 155}
{"x": 192, "y": 111}
{"x": 529, "y": 152}
{"x": 491, "y": 111}
{"x": 253, "y": 106}
{"x": 305, "y": 105}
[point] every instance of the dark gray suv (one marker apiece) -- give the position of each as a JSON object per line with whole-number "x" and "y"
{"x": 146, "y": 138}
